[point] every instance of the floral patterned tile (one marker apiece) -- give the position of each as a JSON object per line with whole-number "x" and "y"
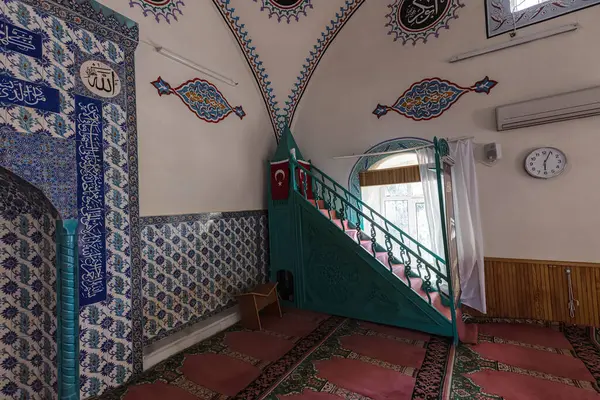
{"x": 60, "y": 126}
{"x": 23, "y": 67}
{"x": 25, "y": 119}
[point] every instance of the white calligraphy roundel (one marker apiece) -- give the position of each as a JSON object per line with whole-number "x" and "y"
{"x": 100, "y": 79}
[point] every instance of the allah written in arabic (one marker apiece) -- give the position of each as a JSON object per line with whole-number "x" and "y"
{"x": 419, "y": 12}
{"x": 100, "y": 79}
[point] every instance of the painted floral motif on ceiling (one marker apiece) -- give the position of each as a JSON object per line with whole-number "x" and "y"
{"x": 502, "y": 18}
{"x": 167, "y": 9}
{"x": 285, "y": 10}
{"x": 416, "y": 20}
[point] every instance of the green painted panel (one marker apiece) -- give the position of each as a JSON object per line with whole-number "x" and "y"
{"x": 339, "y": 277}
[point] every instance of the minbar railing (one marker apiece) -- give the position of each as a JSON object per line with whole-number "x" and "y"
{"x": 352, "y": 212}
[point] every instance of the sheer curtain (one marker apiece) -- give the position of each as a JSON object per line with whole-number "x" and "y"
{"x": 426, "y": 158}
{"x": 468, "y": 225}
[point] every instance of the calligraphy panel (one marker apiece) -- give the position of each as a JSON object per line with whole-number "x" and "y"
{"x": 416, "y": 20}
{"x": 100, "y": 79}
{"x": 90, "y": 200}
{"x": 28, "y": 94}
{"x": 502, "y": 18}
{"x": 20, "y": 40}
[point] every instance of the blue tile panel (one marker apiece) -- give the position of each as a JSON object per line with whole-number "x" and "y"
{"x": 40, "y": 146}
{"x": 194, "y": 265}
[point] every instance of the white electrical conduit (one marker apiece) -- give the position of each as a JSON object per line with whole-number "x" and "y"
{"x": 516, "y": 42}
{"x": 189, "y": 63}
{"x": 401, "y": 151}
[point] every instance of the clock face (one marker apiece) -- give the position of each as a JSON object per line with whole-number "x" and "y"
{"x": 545, "y": 162}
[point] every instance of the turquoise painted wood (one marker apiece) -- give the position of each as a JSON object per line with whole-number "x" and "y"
{"x": 283, "y": 241}
{"x": 68, "y": 310}
{"x": 339, "y": 277}
{"x": 335, "y": 274}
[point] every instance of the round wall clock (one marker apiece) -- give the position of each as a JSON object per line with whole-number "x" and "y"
{"x": 545, "y": 162}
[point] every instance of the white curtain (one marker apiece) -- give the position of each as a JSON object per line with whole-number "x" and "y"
{"x": 426, "y": 158}
{"x": 468, "y": 225}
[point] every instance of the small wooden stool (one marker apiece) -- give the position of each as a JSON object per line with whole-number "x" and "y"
{"x": 263, "y": 296}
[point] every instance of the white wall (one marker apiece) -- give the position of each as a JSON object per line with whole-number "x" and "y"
{"x": 188, "y": 165}
{"x": 522, "y": 217}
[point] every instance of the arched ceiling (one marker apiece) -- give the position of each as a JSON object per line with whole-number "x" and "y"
{"x": 283, "y": 41}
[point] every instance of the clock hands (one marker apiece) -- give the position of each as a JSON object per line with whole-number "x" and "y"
{"x": 546, "y": 160}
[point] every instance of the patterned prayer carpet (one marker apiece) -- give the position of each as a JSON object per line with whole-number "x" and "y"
{"x": 528, "y": 360}
{"x": 303, "y": 356}
{"x": 311, "y": 356}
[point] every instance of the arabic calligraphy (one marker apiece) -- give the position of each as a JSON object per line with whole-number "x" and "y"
{"x": 414, "y": 20}
{"x": 90, "y": 200}
{"x": 23, "y": 93}
{"x": 202, "y": 98}
{"x": 100, "y": 79}
{"x": 417, "y": 15}
{"x": 430, "y": 98}
{"x": 20, "y": 40}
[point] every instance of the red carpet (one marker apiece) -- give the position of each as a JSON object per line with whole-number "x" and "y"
{"x": 398, "y": 332}
{"x": 528, "y": 362}
{"x": 311, "y": 356}
{"x": 367, "y": 379}
{"x": 219, "y": 373}
{"x": 259, "y": 345}
{"x": 530, "y": 334}
{"x": 535, "y": 360}
{"x": 383, "y": 349}
{"x": 512, "y": 386}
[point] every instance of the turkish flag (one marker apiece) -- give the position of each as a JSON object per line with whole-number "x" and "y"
{"x": 301, "y": 177}
{"x": 280, "y": 180}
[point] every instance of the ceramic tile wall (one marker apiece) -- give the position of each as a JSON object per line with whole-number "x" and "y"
{"x": 28, "y": 368}
{"x": 40, "y": 147}
{"x": 194, "y": 265}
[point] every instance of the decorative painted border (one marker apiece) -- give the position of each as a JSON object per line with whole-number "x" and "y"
{"x": 497, "y": 12}
{"x": 202, "y": 217}
{"x": 167, "y": 10}
{"x": 315, "y": 56}
{"x": 243, "y": 39}
{"x": 365, "y": 162}
{"x": 115, "y": 27}
{"x": 406, "y": 35}
{"x": 284, "y": 117}
{"x": 286, "y": 13}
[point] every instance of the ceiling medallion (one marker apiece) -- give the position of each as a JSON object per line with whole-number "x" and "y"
{"x": 285, "y": 9}
{"x": 414, "y": 20}
{"x": 166, "y": 9}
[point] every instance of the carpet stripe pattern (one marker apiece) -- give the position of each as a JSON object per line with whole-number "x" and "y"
{"x": 528, "y": 361}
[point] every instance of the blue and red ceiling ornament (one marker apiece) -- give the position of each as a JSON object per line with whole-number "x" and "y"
{"x": 430, "y": 98}
{"x": 202, "y": 98}
{"x": 414, "y": 20}
{"x": 166, "y": 9}
{"x": 285, "y": 9}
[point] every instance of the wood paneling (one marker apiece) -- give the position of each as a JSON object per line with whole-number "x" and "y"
{"x": 536, "y": 289}
{"x": 390, "y": 176}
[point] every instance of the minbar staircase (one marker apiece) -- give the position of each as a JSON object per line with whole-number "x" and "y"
{"x": 327, "y": 238}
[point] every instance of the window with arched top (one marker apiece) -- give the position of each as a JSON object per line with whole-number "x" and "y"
{"x": 503, "y": 16}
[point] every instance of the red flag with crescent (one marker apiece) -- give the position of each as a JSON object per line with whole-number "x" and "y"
{"x": 301, "y": 177}
{"x": 280, "y": 180}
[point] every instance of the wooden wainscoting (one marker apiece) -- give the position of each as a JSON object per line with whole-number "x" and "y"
{"x": 536, "y": 289}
